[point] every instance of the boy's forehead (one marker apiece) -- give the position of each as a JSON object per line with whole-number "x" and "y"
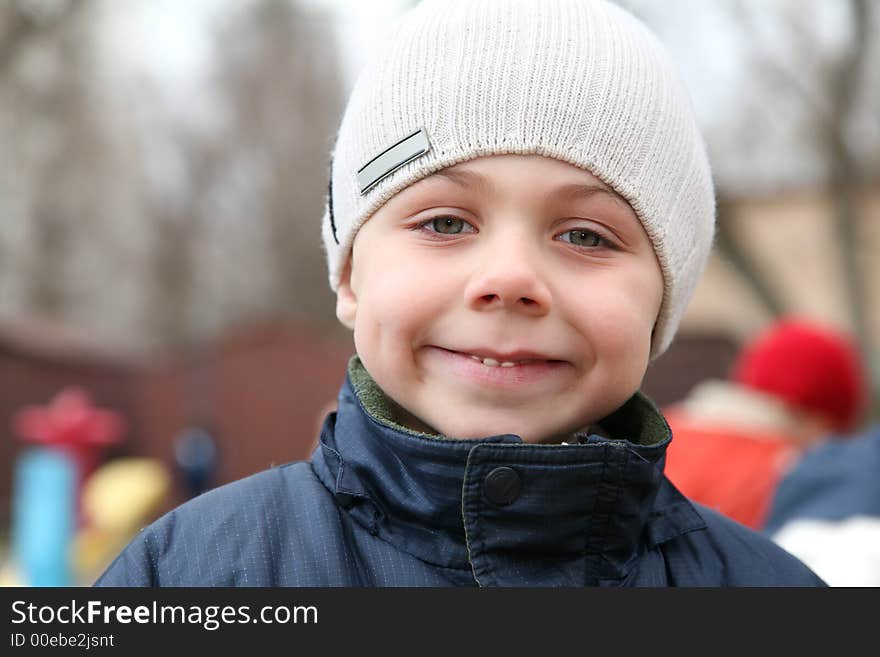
{"x": 484, "y": 175}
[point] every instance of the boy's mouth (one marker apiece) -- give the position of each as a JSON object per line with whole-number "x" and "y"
{"x": 491, "y": 362}
{"x": 491, "y": 358}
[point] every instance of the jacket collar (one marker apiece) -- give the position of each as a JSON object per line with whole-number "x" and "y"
{"x": 595, "y": 504}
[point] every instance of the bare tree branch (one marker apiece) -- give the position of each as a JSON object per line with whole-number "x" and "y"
{"x": 741, "y": 260}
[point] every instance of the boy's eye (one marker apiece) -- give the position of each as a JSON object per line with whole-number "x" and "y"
{"x": 583, "y": 238}
{"x": 447, "y": 225}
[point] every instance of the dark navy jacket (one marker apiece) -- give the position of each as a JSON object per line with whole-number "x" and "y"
{"x": 380, "y": 505}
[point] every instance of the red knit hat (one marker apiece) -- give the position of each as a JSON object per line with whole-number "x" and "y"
{"x": 810, "y": 367}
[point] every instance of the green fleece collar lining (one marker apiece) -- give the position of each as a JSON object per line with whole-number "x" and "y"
{"x": 638, "y": 420}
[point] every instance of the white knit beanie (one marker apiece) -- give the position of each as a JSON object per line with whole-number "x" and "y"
{"x": 581, "y": 81}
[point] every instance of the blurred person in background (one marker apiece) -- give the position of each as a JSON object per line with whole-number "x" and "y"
{"x": 826, "y": 510}
{"x": 793, "y": 386}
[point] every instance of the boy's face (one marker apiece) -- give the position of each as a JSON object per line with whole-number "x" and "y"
{"x": 508, "y": 294}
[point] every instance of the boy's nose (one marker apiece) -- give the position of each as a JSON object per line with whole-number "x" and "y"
{"x": 509, "y": 281}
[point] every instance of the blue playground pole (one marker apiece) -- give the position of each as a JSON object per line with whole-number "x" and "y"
{"x": 43, "y": 516}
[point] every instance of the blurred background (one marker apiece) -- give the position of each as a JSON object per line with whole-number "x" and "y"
{"x": 164, "y": 304}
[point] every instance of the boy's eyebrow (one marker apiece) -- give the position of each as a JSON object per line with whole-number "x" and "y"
{"x": 465, "y": 178}
{"x": 576, "y": 191}
{"x": 571, "y": 191}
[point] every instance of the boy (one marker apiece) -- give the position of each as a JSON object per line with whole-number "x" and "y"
{"x": 520, "y": 207}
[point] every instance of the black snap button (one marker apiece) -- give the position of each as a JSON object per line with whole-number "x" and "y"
{"x": 501, "y": 486}
{"x": 345, "y": 500}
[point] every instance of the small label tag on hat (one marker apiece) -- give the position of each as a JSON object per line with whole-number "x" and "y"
{"x": 391, "y": 159}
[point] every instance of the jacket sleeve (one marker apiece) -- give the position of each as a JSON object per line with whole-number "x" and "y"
{"x": 235, "y": 535}
{"x": 748, "y": 558}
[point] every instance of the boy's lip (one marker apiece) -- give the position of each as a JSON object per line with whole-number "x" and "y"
{"x": 495, "y": 371}
{"x": 513, "y": 356}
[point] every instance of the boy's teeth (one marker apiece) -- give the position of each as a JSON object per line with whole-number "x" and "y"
{"x": 491, "y": 362}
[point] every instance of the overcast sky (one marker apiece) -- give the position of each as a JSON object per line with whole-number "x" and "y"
{"x": 167, "y": 38}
